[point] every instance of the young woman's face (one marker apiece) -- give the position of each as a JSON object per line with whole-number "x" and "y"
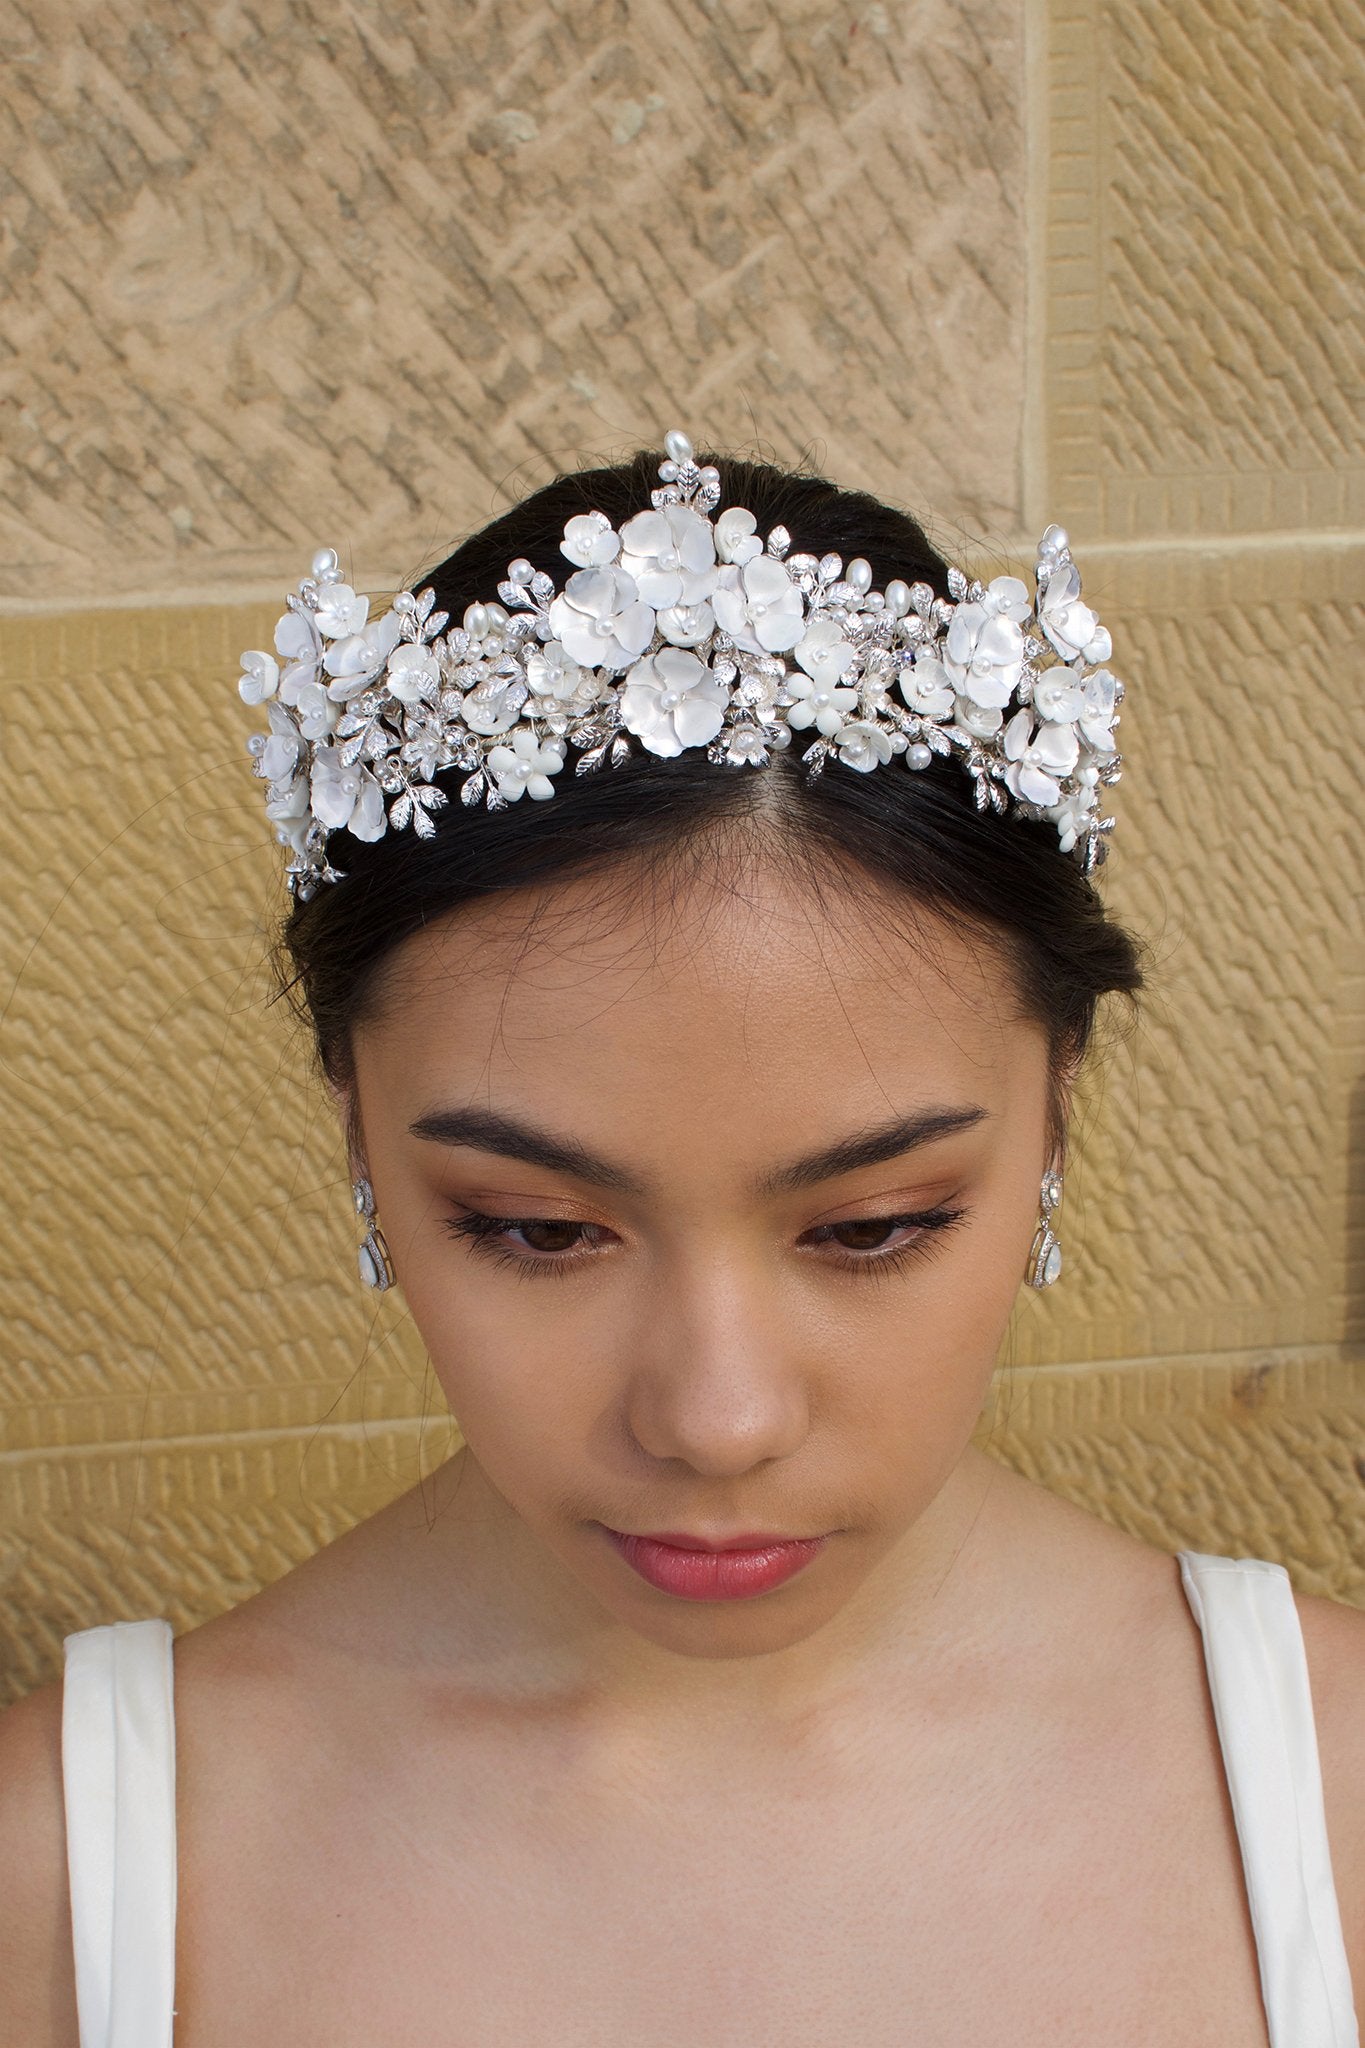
{"x": 710, "y": 1216}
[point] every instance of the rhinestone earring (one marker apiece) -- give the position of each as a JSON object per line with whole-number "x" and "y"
{"x": 1045, "y": 1258}
{"x": 376, "y": 1268}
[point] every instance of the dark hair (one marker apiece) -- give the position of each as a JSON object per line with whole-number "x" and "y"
{"x": 997, "y": 877}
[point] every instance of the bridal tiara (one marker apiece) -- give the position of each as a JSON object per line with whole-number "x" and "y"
{"x": 679, "y": 631}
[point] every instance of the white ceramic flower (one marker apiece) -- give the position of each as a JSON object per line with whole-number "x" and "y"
{"x": 687, "y": 625}
{"x": 279, "y": 755}
{"x": 671, "y": 700}
{"x": 600, "y": 618}
{"x": 671, "y": 554}
{"x": 494, "y": 706}
{"x": 1007, "y": 598}
{"x": 525, "y": 767}
{"x": 299, "y": 644}
{"x": 339, "y": 611}
{"x": 759, "y": 606}
{"x": 1096, "y": 719}
{"x": 1070, "y": 625}
{"x": 1073, "y": 814}
{"x": 737, "y": 535}
{"x": 346, "y": 797}
{"x": 260, "y": 677}
{"x": 1058, "y": 696}
{"x": 1036, "y": 760}
{"x": 553, "y": 674}
{"x": 863, "y": 745}
{"x": 824, "y": 653}
{"x": 927, "y": 687}
{"x": 822, "y": 705}
{"x": 982, "y": 721}
{"x": 414, "y": 673}
{"x": 317, "y": 715}
{"x": 561, "y": 693}
{"x": 289, "y": 809}
{"x": 590, "y": 540}
{"x": 984, "y": 655}
{"x": 355, "y": 662}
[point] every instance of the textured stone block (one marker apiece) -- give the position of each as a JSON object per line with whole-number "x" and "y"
{"x": 1204, "y": 247}
{"x": 298, "y": 274}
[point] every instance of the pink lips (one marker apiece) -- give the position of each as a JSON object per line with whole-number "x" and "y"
{"x": 691, "y": 1571}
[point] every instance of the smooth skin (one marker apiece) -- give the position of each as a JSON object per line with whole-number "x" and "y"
{"x": 465, "y": 1778}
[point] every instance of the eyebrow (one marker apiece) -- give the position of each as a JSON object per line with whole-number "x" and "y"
{"x": 493, "y": 1130}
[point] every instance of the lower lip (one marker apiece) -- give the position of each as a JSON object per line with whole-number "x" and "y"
{"x": 714, "y": 1574}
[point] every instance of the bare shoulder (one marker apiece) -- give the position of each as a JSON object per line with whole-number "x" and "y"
{"x": 1334, "y": 1645}
{"x": 37, "y": 1982}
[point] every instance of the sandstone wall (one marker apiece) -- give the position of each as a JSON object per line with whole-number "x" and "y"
{"x": 293, "y": 274}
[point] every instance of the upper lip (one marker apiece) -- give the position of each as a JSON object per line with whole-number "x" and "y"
{"x": 747, "y": 1541}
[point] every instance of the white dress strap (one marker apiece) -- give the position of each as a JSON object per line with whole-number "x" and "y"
{"x": 1258, "y": 1678}
{"x": 118, "y": 1776}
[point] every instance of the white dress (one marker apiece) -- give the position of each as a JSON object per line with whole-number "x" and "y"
{"x": 118, "y": 1770}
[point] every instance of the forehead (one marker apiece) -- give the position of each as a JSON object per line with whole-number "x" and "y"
{"x": 674, "y": 989}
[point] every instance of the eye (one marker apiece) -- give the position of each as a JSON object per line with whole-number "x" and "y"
{"x": 548, "y": 1244}
{"x": 865, "y": 1240}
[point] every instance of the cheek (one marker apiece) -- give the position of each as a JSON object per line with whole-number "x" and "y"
{"x": 914, "y": 1394}
{"x": 515, "y": 1360}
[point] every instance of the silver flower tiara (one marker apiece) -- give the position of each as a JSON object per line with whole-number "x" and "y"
{"x": 681, "y": 631}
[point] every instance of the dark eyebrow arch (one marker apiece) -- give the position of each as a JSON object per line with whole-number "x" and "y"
{"x": 492, "y": 1130}
{"x": 872, "y": 1147}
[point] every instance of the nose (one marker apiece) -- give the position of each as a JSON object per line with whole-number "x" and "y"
{"x": 720, "y": 1378}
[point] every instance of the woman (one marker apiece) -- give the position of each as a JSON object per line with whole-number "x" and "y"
{"x": 708, "y": 1101}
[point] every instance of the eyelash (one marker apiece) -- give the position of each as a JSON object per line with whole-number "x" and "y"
{"x": 478, "y": 1229}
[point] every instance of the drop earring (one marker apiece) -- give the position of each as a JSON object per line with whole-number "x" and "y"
{"x": 376, "y": 1268}
{"x": 1045, "y": 1258}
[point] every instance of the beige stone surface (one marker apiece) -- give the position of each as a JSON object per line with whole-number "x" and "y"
{"x": 270, "y": 281}
{"x": 1204, "y": 243}
{"x": 293, "y": 273}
